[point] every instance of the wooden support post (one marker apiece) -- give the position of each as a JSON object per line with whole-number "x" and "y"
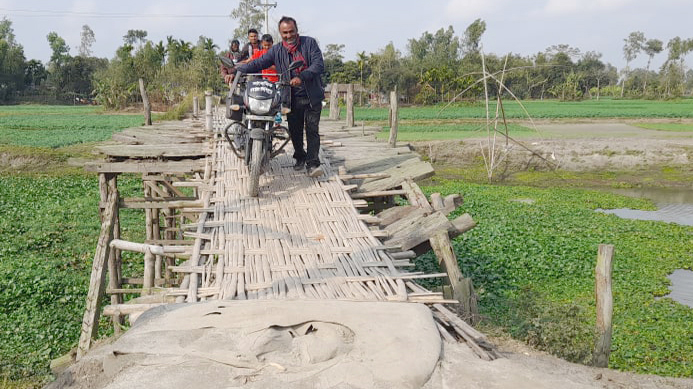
{"x": 149, "y": 272}
{"x": 196, "y": 107}
{"x": 147, "y": 106}
{"x": 115, "y": 261}
{"x": 462, "y": 289}
{"x": 209, "y": 124}
{"x": 394, "y": 118}
{"x": 334, "y": 102}
{"x": 350, "y": 106}
{"x": 149, "y": 260}
{"x": 169, "y": 224}
{"x": 90, "y": 321}
{"x": 602, "y": 287}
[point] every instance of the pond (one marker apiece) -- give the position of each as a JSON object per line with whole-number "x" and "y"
{"x": 674, "y": 205}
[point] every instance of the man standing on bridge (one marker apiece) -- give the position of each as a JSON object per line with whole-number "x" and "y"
{"x": 307, "y": 91}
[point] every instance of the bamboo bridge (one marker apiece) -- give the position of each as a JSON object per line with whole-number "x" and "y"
{"x": 342, "y": 236}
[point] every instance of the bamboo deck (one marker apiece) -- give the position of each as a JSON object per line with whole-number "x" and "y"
{"x": 301, "y": 238}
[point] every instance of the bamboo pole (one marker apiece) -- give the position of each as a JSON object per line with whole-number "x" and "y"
{"x": 114, "y": 258}
{"x": 209, "y": 124}
{"x": 602, "y": 286}
{"x": 394, "y": 118}
{"x": 350, "y": 106}
{"x": 196, "y": 107}
{"x": 145, "y": 102}
{"x": 334, "y": 102}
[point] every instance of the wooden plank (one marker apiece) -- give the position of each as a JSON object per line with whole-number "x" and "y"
{"x": 90, "y": 321}
{"x": 462, "y": 289}
{"x": 414, "y": 169}
{"x": 156, "y": 151}
{"x": 416, "y": 196}
{"x": 146, "y": 167}
{"x": 413, "y": 231}
{"x": 382, "y": 193}
{"x": 377, "y": 164}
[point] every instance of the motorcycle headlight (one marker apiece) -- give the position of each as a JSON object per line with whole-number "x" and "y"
{"x": 259, "y": 107}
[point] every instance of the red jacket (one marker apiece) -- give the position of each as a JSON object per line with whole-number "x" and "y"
{"x": 270, "y": 70}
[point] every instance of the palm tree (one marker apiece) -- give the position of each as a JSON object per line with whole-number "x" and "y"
{"x": 362, "y": 58}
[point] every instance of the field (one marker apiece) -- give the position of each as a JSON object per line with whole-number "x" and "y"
{"x": 539, "y": 109}
{"x": 533, "y": 278}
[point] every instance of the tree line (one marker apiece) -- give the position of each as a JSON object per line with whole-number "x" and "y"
{"x": 172, "y": 70}
{"x": 437, "y": 67}
{"x": 441, "y": 66}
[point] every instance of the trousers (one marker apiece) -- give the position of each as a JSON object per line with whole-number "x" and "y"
{"x": 304, "y": 117}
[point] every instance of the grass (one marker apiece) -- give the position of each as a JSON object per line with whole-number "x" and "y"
{"x": 445, "y": 131}
{"x": 40, "y": 140}
{"x": 538, "y": 109}
{"x": 60, "y": 126}
{"x": 533, "y": 267}
{"x": 674, "y": 127}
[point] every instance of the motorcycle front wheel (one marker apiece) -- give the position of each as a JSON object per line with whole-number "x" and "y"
{"x": 256, "y": 157}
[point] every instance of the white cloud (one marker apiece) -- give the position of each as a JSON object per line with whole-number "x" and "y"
{"x": 561, "y": 7}
{"x": 471, "y": 9}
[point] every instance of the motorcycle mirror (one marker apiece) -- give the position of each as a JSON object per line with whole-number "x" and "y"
{"x": 296, "y": 64}
{"x": 227, "y": 62}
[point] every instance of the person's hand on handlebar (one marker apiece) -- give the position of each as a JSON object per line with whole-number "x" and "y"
{"x": 295, "y": 81}
{"x": 228, "y": 78}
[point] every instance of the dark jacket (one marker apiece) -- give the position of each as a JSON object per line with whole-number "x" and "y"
{"x": 278, "y": 56}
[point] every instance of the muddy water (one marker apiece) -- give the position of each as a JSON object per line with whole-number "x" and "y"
{"x": 674, "y": 205}
{"x": 682, "y": 287}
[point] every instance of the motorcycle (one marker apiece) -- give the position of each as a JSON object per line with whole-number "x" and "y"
{"x": 255, "y": 107}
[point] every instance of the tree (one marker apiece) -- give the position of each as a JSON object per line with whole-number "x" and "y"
{"x": 6, "y": 31}
{"x": 674, "y": 67}
{"x": 591, "y": 71}
{"x": 34, "y": 73}
{"x": 632, "y": 47}
{"x": 362, "y": 61}
{"x": 652, "y": 47}
{"x": 333, "y": 59}
{"x": 206, "y": 44}
{"x": 472, "y": 36}
{"x": 249, "y": 15}
{"x": 135, "y": 36}
{"x": 11, "y": 62}
{"x": 87, "y": 40}
{"x": 60, "y": 50}
{"x": 571, "y": 52}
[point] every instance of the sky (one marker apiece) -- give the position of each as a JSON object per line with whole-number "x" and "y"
{"x": 523, "y": 27}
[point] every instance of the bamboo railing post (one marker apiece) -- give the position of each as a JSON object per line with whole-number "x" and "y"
{"x": 605, "y": 307}
{"x": 145, "y": 103}
{"x": 114, "y": 257}
{"x": 350, "y": 106}
{"x": 209, "y": 124}
{"x": 170, "y": 224}
{"x": 394, "y": 113}
{"x": 334, "y": 102}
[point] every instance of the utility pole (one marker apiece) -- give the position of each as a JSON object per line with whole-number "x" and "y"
{"x": 267, "y": 5}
